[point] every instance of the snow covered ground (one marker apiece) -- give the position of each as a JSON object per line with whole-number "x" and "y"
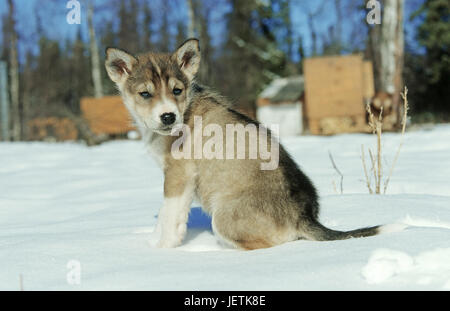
{"x": 66, "y": 208}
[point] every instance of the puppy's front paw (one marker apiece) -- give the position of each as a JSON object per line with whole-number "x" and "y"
{"x": 169, "y": 243}
{"x": 173, "y": 239}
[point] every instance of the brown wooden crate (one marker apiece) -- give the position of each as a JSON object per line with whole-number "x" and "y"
{"x": 106, "y": 115}
{"x": 334, "y": 87}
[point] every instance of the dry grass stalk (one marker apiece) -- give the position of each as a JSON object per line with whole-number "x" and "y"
{"x": 374, "y": 165}
{"x": 363, "y": 157}
{"x": 377, "y": 128}
{"x": 376, "y": 125}
{"x": 338, "y": 171}
{"x": 334, "y": 187}
{"x": 379, "y": 165}
{"x": 404, "y": 120}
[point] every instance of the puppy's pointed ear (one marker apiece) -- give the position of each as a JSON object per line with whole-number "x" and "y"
{"x": 119, "y": 64}
{"x": 188, "y": 57}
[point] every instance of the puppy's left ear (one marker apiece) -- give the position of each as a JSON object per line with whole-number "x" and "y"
{"x": 188, "y": 57}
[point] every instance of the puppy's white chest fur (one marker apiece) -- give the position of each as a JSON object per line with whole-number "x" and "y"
{"x": 156, "y": 146}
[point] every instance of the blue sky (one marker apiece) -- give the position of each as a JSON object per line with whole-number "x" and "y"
{"x": 53, "y": 19}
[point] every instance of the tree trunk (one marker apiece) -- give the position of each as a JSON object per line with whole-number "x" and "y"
{"x": 191, "y": 13}
{"x": 312, "y": 30}
{"x": 387, "y": 51}
{"x": 339, "y": 17}
{"x": 14, "y": 76}
{"x": 311, "y": 17}
{"x": 387, "y": 46}
{"x": 95, "y": 59}
{"x": 399, "y": 63}
{"x": 26, "y": 101}
{"x": 4, "y": 103}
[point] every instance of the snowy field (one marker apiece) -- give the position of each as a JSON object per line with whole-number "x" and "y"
{"x": 66, "y": 206}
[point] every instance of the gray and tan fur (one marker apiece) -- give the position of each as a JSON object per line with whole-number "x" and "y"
{"x": 250, "y": 208}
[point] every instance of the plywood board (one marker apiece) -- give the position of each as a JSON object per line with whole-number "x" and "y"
{"x": 335, "y": 88}
{"x": 106, "y": 115}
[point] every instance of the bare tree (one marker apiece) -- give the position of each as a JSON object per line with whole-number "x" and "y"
{"x": 4, "y": 103}
{"x": 340, "y": 20}
{"x": 14, "y": 75}
{"x": 192, "y": 19}
{"x": 95, "y": 59}
{"x": 27, "y": 97}
{"x": 164, "y": 33}
{"x": 387, "y": 50}
{"x": 399, "y": 61}
{"x": 312, "y": 16}
{"x": 147, "y": 33}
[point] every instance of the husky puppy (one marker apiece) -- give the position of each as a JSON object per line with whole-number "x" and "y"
{"x": 251, "y": 208}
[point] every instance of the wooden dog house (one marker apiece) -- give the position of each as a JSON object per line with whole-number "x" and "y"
{"x": 336, "y": 91}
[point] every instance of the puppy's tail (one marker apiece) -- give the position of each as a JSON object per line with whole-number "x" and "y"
{"x": 317, "y": 232}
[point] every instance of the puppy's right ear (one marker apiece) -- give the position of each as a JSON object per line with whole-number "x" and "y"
{"x": 119, "y": 64}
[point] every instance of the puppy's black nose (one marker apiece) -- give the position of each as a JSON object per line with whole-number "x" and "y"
{"x": 168, "y": 118}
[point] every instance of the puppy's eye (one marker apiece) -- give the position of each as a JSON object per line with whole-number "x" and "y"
{"x": 145, "y": 95}
{"x": 177, "y": 92}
